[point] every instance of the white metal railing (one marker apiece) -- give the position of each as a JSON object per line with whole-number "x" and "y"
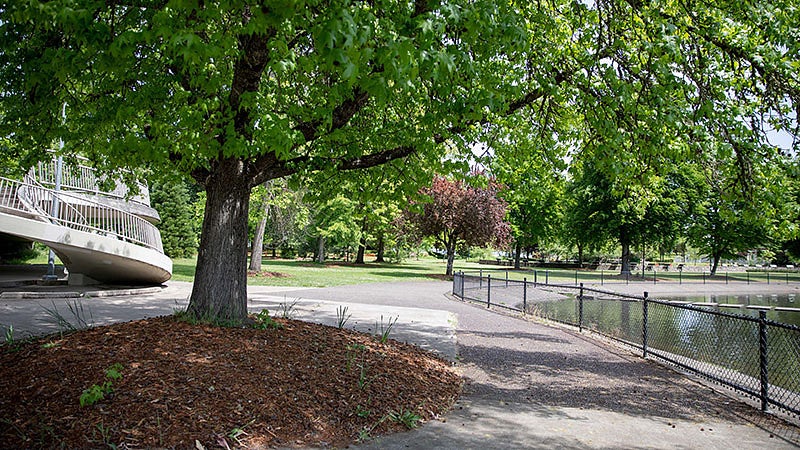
{"x": 78, "y": 213}
{"x": 84, "y": 178}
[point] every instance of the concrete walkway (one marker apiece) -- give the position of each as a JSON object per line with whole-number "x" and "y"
{"x": 528, "y": 385}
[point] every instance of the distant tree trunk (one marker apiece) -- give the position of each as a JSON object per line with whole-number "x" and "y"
{"x": 362, "y": 243}
{"x": 517, "y": 254}
{"x": 274, "y": 251}
{"x": 258, "y": 243}
{"x": 580, "y": 254}
{"x": 644, "y": 252}
{"x": 715, "y": 257}
{"x": 450, "y": 242}
{"x": 321, "y": 250}
{"x": 381, "y": 249}
{"x": 451, "y": 256}
{"x": 625, "y": 262}
{"x": 219, "y": 292}
{"x": 362, "y": 247}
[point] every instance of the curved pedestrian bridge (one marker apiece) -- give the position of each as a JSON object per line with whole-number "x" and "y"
{"x": 100, "y": 236}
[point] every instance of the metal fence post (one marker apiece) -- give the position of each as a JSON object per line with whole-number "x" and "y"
{"x": 525, "y": 295}
{"x": 748, "y": 277}
{"x": 546, "y": 277}
{"x": 580, "y": 310}
{"x": 488, "y": 290}
{"x": 601, "y": 278}
{"x": 704, "y": 277}
{"x": 726, "y": 277}
{"x": 576, "y": 278}
{"x": 506, "y": 277}
{"x": 644, "y": 326}
{"x": 535, "y": 278}
{"x": 480, "y": 279}
{"x": 767, "y": 277}
{"x": 762, "y": 350}
{"x": 787, "y": 277}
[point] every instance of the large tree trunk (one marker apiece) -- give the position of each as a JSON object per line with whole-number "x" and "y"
{"x": 517, "y": 254}
{"x": 257, "y": 251}
{"x": 219, "y": 293}
{"x": 381, "y": 249}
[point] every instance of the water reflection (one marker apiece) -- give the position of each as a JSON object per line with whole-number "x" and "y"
{"x": 737, "y": 304}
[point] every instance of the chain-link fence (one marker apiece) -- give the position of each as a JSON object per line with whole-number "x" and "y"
{"x": 753, "y": 355}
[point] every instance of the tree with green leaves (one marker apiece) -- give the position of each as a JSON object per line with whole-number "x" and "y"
{"x": 172, "y": 201}
{"x": 529, "y": 161}
{"x": 240, "y": 93}
{"x": 737, "y": 212}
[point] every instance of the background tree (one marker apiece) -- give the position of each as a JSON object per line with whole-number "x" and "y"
{"x": 458, "y": 214}
{"x": 529, "y": 163}
{"x": 172, "y": 201}
{"x": 737, "y": 212}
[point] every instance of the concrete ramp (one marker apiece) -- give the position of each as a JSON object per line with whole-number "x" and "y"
{"x": 97, "y": 242}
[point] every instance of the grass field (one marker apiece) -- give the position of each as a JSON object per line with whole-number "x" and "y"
{"x": 283, "y": 272}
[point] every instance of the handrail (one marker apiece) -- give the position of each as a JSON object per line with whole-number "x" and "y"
{"x": 79, "y": 213}
{"x": 83, "y": 178}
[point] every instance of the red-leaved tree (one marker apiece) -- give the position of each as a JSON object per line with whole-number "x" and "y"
{"x": 458, "y": 214}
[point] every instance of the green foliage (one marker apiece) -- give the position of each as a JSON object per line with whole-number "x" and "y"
{"x": 383, "y": 330}
{"x": 341, "y": 316}
{"x": 354, "y": 352}
{"x": 9, "y": 335}
{"x": 362, "y": 412}
{"x": 406, "y": 417}
{"x": 95, "y": 393}
{"x": 81, "y": 318}
{"x": 172, "y": 201}
{"x": 288, "y": 309}
{"x": 263, "y": 321}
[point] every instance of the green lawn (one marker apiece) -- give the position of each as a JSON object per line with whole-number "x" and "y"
{"x": 333, "y": 273}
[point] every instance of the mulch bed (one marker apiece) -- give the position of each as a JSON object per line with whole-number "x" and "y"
{"x": 186, "y": 385}
{"x": 267, "y": 274}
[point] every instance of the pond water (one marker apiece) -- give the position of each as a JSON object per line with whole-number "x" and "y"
{"x": 737, "y": 304}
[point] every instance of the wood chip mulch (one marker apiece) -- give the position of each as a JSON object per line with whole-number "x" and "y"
{"x": 193, "y": 386}
{"x": 267, "y": 274}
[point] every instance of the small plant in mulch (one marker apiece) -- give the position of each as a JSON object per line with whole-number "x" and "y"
{"x": 96, "y": 392}
{"x": 383, "y": 332}
{"x": 263, "y": 321}
{"x": 406, "y": 417}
